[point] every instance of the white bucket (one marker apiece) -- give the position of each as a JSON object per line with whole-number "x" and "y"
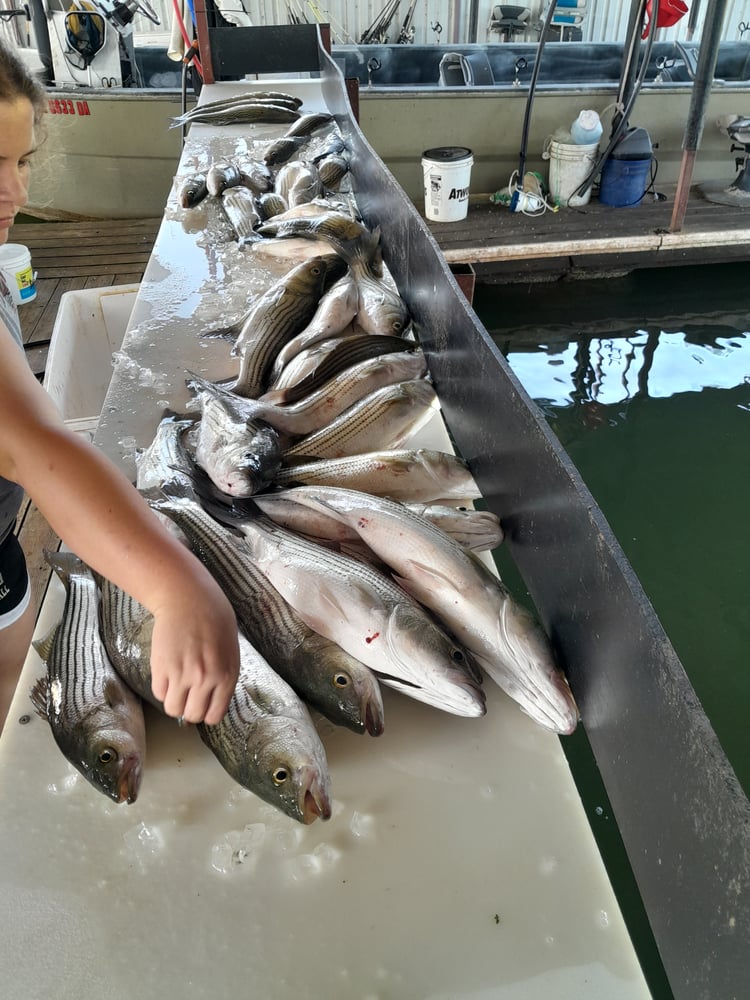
{"x": 570, "y": 165}
{"x": 447, "y": 173}
{"x": 15, "y": 263}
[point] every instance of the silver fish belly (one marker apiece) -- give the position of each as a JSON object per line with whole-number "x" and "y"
{"x": 369, "y": 616}
{"x": 464, "y": 594}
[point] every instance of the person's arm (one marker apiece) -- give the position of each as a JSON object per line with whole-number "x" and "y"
{"x": 104, "y": 520}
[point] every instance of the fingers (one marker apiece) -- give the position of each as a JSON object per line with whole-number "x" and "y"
{"x": 199, "y": 702}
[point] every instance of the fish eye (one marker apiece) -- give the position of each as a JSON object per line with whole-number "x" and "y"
{"x": 108, "y": 755}
{"x": 317, "y": 270}
{"x": 457, "y": 656}
{"x": 341, "y": 679}
{"x": 398, "y": 325}
{"x": 280, "y": 775}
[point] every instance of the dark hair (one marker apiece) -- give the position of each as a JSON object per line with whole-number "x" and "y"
{"x": 16, "y": 81}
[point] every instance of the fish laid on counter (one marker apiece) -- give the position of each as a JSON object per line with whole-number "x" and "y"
{"x": 336, "y": 309}
{"x": 420, "y": 475}
{"x": 96, "y": 719}
{"x": 318, "y": 409}
{"x": 309, "y": 123}
{"x": 315, "y": 365}
{"x": 364, "y": 612}
{"x": 277, "y": 316}
{"x": 192, "y": 190}
{"x": 464, "y": 595}
{"x": 243, "y": 108}
{"x": 283, "y": 149}
{"x": 241, "y": 455}
{"x": 157, "y": 462}
{"x": 266, "y": 741}
{"x": 478, "y": 530}
{"x": 385, "y": 418}
{"x": 328, "y": 678}
{"x": 238, "y": 204}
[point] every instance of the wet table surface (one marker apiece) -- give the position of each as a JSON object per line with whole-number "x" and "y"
{"x": 458, "y": 861}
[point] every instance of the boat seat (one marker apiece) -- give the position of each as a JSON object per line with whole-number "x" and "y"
{"x": 458, "y": 69}
{"x": 509, "y": 20}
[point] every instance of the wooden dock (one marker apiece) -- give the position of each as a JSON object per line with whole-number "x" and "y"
{"x": 593, "y": 240}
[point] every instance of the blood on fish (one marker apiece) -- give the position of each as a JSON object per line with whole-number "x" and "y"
{"x": 363, "y": 522}
{"x": 371, "y": 638}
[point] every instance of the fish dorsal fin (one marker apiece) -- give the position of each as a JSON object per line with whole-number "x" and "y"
{"x": 44, "y": 645}
{"x": 38, "y": 695}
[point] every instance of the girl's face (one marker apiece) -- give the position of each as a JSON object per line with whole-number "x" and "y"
{"x": 16, "y": 147}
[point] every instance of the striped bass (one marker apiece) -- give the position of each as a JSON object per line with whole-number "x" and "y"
{"x": 277, "y": 316}
{"x": 239, "y": 114}
{"x": 156, "y": 463}
{"x": 238, "y": 204}
{"x": 313, "y": 366}
{"x": 338, "y": 394}
{"x": 365, "y": 613}
{"x": 386, "y": 418}
{"x": 240, "y": 454}
{"x": 266, "y": 741}
{"x": 336, "y": 309}
{"x": 331, "y": 680}
{"x": 478, "y": 530}
{"x": 472, "y": 603}
{"x": 419, "y": 475}
{"x": 96, "y": 720}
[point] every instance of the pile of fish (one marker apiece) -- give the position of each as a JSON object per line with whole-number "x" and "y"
{"x": 350, "y": 558}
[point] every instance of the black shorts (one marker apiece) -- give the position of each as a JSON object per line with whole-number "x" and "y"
{"x": 15, "y": 592}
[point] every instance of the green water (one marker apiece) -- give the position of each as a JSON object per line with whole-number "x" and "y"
{"x": 646, "y": 382}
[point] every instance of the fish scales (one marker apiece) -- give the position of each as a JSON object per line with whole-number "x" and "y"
{"x": 338, "y": 685}
{"x": 92, "y": 713}
{"x": 280, "y": 313}
{"x": 368, "y": 615}
{"x": 465, "y": 596}
{"x": 421, "y": 475}
{"x": 313, "y": 366}
{"x": 341, "y": 392}
{"x": 387, "y": 416}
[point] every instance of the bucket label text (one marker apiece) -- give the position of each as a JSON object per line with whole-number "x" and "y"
{"x": 458, "y": 194}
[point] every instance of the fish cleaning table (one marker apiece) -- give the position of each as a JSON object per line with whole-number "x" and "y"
{"x": 458, "y": 861}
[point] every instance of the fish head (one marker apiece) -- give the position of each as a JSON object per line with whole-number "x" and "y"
{"x": 536, "y": 682}
{"x": 348, "y": 692}
{"x": 445, "y": 673}
{"x": 108, "y": 756}
{"x": 287, "y": 768}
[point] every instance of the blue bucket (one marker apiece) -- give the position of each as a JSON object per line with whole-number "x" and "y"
{"x": 624, "y": 182}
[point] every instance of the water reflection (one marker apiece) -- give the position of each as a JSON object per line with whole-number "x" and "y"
{"x": 596, "y": 372}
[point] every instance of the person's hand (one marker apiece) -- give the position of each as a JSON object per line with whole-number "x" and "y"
{"x": 195, "y": 654}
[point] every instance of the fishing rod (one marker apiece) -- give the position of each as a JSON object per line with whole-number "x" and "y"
{"x": 378, "y": 29}
{"x": 532, "y": 89}
{"x": 406, "y": 35}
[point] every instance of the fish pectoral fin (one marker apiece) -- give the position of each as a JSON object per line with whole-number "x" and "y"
{"x": 422, "y": 576}
{"x": 38, "y": 695}
{"x": 114, "y": 695}
{"x": 44, "y": 645}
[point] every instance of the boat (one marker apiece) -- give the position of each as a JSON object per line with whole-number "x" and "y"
{"x": 460, "y": 887}
{"x": 110, "y": 119}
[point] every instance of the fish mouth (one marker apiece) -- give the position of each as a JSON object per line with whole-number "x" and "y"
{"x": 373, "y": 715}
{"x": 315, "y": 801}
{"x": 129, "y": 780}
